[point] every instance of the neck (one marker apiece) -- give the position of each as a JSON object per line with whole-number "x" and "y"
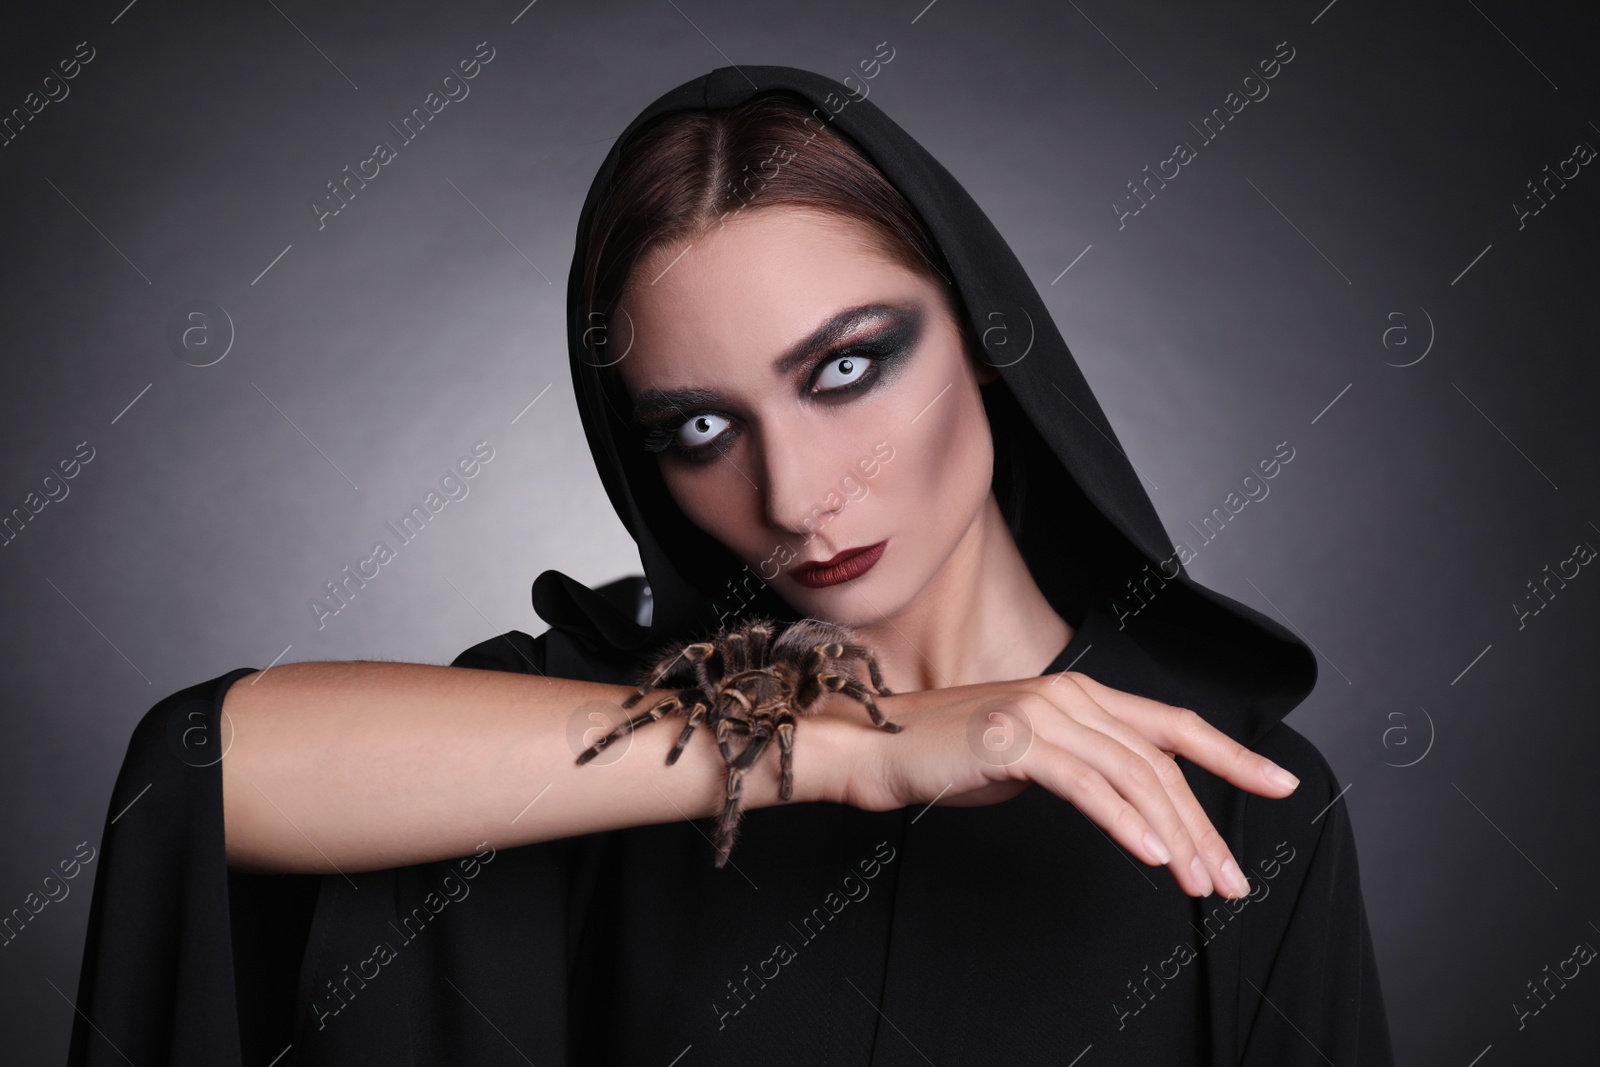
{"x": 981, "y": 618}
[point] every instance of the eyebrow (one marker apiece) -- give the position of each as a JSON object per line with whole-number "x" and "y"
{"x": 655, "y": 403}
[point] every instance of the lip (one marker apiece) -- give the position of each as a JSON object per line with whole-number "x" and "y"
{"x": 851, "y": 563}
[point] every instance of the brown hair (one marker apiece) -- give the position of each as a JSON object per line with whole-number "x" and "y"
{"x": 688, "y": 172}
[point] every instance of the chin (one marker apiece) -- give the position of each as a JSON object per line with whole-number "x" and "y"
{"x": 863, "y": 601}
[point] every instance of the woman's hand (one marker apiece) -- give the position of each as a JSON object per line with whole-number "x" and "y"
{"x": 1108, "y": 752}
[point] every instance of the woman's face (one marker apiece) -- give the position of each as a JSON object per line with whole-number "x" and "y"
{"x": 809, "y": 397}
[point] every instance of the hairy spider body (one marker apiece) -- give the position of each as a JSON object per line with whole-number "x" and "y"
{"x": 755, "y": 679}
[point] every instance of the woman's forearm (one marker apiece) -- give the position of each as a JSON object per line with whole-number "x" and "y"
{"x": 351, "y": 766}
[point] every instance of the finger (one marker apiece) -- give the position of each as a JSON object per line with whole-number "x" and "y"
{"x": 1136, "y": 780}
{"x": 1086, "y": 789}
{"x": 1202, "y": 837}
{"x": 1184, "y": 731}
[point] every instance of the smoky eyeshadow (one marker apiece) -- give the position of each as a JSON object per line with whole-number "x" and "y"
{"x": 887, "y": 346}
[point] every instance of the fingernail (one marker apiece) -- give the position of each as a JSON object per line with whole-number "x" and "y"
{"x": 1153, "y": 844}
{"x": 1277, "y": 774}
{"x": 1235, "y": 879}
{"x": 1201, "y": 875}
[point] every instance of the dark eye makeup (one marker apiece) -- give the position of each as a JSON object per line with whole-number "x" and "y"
{"x": 882, "y": 353}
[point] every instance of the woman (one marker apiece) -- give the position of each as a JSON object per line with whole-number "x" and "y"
{"x": 466, "y": 892}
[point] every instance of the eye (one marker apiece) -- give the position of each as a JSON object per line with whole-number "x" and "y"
{"x": 841, "y": 371}
{"x": 699, "y": 429}
{"x": 840, "y": 377}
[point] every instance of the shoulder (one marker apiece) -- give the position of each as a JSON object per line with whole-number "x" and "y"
{"x": 1292, "y": 750}
{"x": 1310, "y": 829}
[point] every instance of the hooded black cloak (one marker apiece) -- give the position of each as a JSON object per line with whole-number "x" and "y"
{"x": 1011, "y": 933}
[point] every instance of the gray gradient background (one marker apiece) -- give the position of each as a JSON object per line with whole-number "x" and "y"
{"x": 1246, "y": 305}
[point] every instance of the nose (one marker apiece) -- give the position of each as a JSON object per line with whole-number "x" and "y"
{"x": 794, "y": 479}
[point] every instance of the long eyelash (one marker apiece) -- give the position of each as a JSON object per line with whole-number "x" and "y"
{"x": 664, "y": 438}
{"x": 658, "y": 438}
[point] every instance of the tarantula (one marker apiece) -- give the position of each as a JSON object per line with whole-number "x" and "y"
{"x": 754, "y": 680}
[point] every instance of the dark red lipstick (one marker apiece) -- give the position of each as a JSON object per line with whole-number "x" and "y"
{"x": 851, "y": 563}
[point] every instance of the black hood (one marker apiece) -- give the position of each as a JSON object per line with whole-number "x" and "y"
{"x": 1087, "y": 530}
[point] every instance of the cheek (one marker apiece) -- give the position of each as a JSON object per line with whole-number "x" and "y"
{"x": 722, "y": 506}
{"x": 947, "y": 455}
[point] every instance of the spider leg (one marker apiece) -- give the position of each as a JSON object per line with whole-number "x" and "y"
{"x": 851, "y": 687}
{"x": 760, "y": 735}
{"x": 761, "y": 634}
{"x": 866, "y": 653}
{"x": 729, "y": 723}
{"x": 693, "y": 653}
{"x": 656, "y": 711}
{"x": 738, "y": 652}
{"x": 807, "y": 690}
{"x": 695, "y": 716}
{"x": 814, "y": 671}
{"x": 728, "y": 820}
{"x": 711, "y": 668}
{"x": 821, "y": 654}
{"x": 726, "y": 726}
{"x": 786, "y": 750}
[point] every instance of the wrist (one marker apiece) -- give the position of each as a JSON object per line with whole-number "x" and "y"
{"x": 824, "y": 752}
